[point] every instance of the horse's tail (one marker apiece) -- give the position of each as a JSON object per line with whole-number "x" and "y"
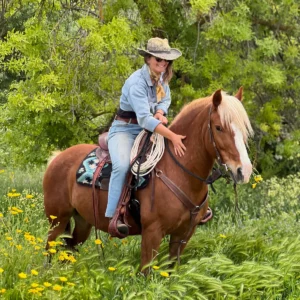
{"x": 52, "y": 157}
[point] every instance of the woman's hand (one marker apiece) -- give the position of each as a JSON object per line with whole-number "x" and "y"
{"x": 176, "y": 139}
{"x": 159, "y": 116}
{"x": 179, "y": 147}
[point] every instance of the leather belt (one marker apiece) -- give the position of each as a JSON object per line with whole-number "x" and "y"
{"x": 130, "y": 120}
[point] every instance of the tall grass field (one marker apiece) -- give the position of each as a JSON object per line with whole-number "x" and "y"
{"x": 251, "y": 254}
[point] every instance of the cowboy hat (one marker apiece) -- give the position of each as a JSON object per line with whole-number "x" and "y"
{"x": 160, "y": 48}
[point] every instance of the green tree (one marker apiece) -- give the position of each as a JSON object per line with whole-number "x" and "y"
{"x": 63, "y": 64}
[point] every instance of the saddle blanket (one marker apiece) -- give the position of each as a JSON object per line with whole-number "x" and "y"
{"x": 85, "y": 172}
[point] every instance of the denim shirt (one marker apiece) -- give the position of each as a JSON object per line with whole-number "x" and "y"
{"x": 139, "y": 95}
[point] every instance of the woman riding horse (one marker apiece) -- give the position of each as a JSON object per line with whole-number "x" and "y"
{"x": 216, "y": 128}
{"x": 144, "y": 103}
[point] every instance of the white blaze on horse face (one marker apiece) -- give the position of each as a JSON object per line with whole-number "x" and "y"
{"x": 241, "y": 147}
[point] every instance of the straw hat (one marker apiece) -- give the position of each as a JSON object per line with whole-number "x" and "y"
{"x": 160, "y": 48}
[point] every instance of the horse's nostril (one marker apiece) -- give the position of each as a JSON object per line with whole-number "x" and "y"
{"x": 240, "y": 176}
{"x": 239, "y": 172}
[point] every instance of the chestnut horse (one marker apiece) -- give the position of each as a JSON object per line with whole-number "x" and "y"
{"x": 212, "y": 125}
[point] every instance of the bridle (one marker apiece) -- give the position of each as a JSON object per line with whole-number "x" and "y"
{"x": 223, "y": 168}
{"x": 221, "y": 171}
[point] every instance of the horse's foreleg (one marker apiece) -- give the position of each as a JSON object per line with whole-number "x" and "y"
{"x": 151, "y": 239}
{"x": 178, "y": 242}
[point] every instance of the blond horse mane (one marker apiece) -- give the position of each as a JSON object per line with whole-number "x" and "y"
{"x": 231, "y": 110}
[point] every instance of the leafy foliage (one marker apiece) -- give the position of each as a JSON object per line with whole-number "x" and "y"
{"x": 63, "y": 63}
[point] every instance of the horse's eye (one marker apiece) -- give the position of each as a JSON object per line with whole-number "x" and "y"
{"x": 219, "y": 128}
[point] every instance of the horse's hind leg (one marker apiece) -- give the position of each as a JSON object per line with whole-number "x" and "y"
{"x": 80, "y": 233}
{"x": 58, "y": 227}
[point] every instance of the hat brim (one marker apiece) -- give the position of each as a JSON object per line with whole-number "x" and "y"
{"x": 172, "y": 55}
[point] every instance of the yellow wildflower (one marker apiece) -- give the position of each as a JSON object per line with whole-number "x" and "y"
{"x": 70, "y": 283}
{"x": 12, "y": 195}
{"x": 28, "y": 196}
{"x": 45, "y": 253}
{"x": 52, "y": 251}
{"x": 34, "y": 291}
{"x": 37, "y": 247}
{"x": 34, "y": 284}
{"x": 19, "y": 231}
{"x": 258, "y": 178}
{"x": 1, "y": 215}
{"x": 40, "y": 240}
{"x": 164, "y": 274}
{"x": 22, "y": 275}
{"x": 124, "y": 242}
{"x": 26, "y": 220}
{"x": 222, "y": 236}
{"x": 72, "y": 259}
{"x": 98, "y": 242}
{"x": 13, "y": 212}
{"x": 2, "y": 171}
{"x": 29, "y": 237}
{"x": 254, "y": 185}
{"x": 34, "y": 272}
{"x": 57, "y": 287}
{"x": 63, "y": 279}
{"x": 3, "y": 291}
{"x": 1, "y": 270}
{"x": 9, "y": 238}
{"x": 47, "y": 284}
{"x": 52, "y": 243}
{"x": 53, "y": 217}
{"x": 155, "y": 267}
{"x": 19, "y": 247}
{"x": 39, "y": 289}
{"x": 112, "y": 269}
{"x": 13, "y": 190}
{"x": 16, "y": 209}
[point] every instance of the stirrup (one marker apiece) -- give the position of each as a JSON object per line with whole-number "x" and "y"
{"x": 208, "y": 215}
{"x": 122, "y": 228}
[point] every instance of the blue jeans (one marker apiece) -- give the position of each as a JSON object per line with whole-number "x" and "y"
{"x": 121, "y": 138}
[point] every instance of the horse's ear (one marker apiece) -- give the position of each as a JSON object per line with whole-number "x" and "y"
{"x": 217, "y": 98}
{"x": 239, "y": 94}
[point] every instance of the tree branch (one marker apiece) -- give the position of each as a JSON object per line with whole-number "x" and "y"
{"x": 274, "y": 25}
{"x": 80, "y": 9}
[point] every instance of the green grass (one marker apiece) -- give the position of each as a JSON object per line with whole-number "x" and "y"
{"x": 254, "y": 255}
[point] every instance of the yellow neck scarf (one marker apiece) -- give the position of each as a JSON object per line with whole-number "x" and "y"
{"x": 160, "y": 92}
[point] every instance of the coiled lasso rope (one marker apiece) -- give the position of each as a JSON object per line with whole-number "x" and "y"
{"x": 153, "y": 157}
